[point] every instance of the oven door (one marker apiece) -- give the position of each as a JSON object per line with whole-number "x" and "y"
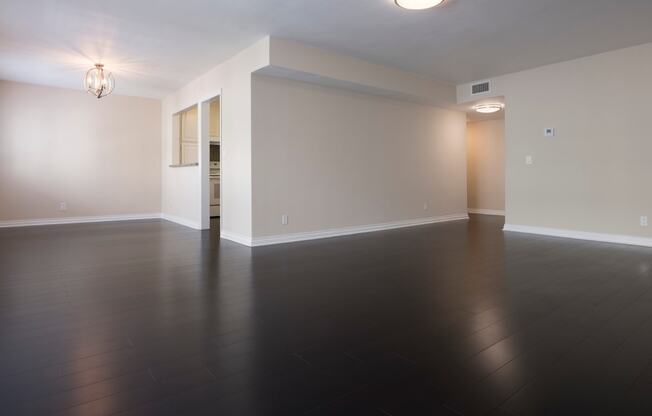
{"x": 215, "y": 190}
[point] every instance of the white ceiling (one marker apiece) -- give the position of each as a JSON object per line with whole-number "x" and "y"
{"x": 156, "y": 46}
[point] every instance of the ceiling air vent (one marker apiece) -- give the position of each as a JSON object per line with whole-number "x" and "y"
{"x": 480, "y": 88}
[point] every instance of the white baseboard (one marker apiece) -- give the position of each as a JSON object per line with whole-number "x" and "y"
{"x": 240, "y": 239}
{"x": 581, "y": 235}
{"x": 76, "y": 220}
{"x": 182, "y": 221}
{"x": 338, "y": 232}
{"x": 236, "y": 238}
{"x": 482, "y": 211}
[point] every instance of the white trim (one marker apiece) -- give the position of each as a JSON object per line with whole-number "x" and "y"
{"x": 76, "y": 220}
{"x": 581, "y": 235}
{"x": 236, "y": 238}
{"x": 337, "y": 232}
{"x": 482, "y": 211}
{"x": 182, "y": 221}
{"x": 203, "y": 127}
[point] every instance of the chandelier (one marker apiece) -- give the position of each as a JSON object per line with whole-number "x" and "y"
{"x": 99, "y": 83}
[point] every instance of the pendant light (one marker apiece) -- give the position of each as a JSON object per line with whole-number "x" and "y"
{"x": 98, "y": 82}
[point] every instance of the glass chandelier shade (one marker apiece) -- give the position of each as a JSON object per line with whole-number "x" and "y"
{"x": 99, "y": 82}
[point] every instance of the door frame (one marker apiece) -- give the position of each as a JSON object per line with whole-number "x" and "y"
{"x": 204, "y": 159}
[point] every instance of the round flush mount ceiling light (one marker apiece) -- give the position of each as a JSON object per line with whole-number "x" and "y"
{"x": 99, "y": 82}
{"x": 418, "y": 4}
{"x": 488, "y": 108}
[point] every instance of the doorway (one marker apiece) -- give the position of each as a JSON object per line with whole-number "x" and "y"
{"x": 211, "y": 173}
{"x": 486, "y": 163}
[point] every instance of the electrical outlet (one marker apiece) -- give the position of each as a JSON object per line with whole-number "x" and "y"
{"x": 284, "y": 219}
{"x": 425, "y": 206}
{"x": 529, "y": 160}
{"x": 644, "y": 221}
{"x": 63, "y": 206}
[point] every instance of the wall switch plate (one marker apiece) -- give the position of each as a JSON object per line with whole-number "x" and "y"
{"x": 529, "y": 160}
{"x": 549, "y": 132}
{"x": 63, "y": 206}
{"x": 284, "y": 219}
{"x": 644, "y": 221}
{"x": 425, "y": 206}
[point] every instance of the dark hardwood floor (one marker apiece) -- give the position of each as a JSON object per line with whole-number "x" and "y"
{"x": 151, "y": 318}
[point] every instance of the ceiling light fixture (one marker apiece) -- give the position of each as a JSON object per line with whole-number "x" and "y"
{"x": 98, "y": 82}
{"x": 488, "y": 108}
{"x": 418, "y": 4}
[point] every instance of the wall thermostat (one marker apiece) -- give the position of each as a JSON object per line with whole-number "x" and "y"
{"x": 549, "y": 132}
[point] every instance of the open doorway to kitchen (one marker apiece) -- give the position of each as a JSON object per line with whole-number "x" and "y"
{"x": 486, "y": 158}
{"x": 211, "y": 173}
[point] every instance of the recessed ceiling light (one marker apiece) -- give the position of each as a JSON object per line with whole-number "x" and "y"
{"x": 418, "y": 4}
{"x": 489, "y": 108}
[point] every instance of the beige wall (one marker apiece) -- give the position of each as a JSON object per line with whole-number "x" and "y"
{"x": 101, "y": 157}
{"x": 594, "y": 176}
{"x": 331, "y": 158}
{"x": 486, "y": 165}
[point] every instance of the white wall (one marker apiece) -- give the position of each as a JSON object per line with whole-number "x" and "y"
{"x": 101, "y": 157}
{"x": 594, "y": 176}
{"x": 306, "y": 63}
{"x": 183, "y": 198}
{"x": 331, "y": 158}
{"x": 486, "y": 166}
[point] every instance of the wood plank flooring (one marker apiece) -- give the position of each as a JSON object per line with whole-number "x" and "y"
{"x": 151, "y": 318}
